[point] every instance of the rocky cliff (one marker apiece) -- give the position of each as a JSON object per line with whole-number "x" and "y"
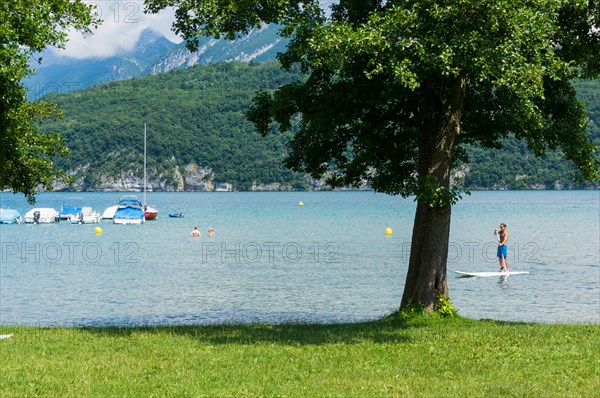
{"x": 190, "y": 177}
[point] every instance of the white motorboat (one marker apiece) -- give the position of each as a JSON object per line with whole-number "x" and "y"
{"x": 87, "y": 215}
{"x": 70, "y": 207}
{"x": 41, "y": 215}
{"x": 109, "y": 213}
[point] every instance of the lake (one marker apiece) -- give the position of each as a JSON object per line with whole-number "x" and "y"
{"x": 272, "y": 260}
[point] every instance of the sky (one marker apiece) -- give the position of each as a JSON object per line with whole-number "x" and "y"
{"x": 124, "y": 21}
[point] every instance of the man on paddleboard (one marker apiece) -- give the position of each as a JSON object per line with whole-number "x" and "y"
{"x": 502, "y": 252}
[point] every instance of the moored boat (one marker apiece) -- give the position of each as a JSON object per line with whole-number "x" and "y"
{"x": 41, "y": 215}
{"x": 109, "y": 213}
{"x": 129, "y": 211}
{"x": 9, "y": 216}
{"x": 70, "y": 207}
{"x": 150, "y": 212}
{"x": 87, "y": 215}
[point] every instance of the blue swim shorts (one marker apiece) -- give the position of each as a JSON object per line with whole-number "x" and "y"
{"x": 502, "y": 251}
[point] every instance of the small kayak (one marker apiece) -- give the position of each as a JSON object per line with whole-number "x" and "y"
{"x": 176, "y": 215}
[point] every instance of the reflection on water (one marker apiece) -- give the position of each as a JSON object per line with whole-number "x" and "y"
{"x": 503, "y": 281}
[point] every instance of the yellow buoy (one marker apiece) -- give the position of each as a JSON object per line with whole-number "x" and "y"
{"x": 388, "y": 231}
{"x": 98, "y": 231}
{"x": 301, "y": 204}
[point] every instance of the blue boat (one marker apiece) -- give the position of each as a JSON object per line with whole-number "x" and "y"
{"x": 9, "y": 216}
{"x": 129, "y": 211}
{"x": 176, "y": 215}
{"x": 72, "y": 207}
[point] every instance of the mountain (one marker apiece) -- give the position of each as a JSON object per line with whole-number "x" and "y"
{"x": 198, "y": 136}
{"x": 152, "y": 54}
{"x": 259, "y": 45}
{"x": 61, "y": 74}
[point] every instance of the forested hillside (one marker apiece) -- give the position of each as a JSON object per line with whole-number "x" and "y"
{"x": 195, "y": 119}
{"x": 198, "y": 136}
{"x": 515, "y": 167}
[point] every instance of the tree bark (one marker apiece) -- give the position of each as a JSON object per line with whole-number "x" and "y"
{"x": 427, "y": 277}
{"x": 440, "y": 128}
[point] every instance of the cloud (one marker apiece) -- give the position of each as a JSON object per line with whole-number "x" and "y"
{"x": 123, "y": 23}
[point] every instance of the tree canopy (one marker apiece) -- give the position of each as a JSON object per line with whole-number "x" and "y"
{"x": 26, "y": 28}
{"x": 395, "y": 88}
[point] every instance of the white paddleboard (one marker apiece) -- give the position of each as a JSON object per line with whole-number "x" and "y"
{"x": 492, "y": 273}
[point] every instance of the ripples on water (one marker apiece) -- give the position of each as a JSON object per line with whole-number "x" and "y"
{"x": 274, "y": 261}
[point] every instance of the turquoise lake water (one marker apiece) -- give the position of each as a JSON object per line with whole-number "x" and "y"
{"x": 272, "y": 260}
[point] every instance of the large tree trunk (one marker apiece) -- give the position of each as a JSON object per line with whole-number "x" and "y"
{"x": 440, "y": 128}
{"x": 426, "y": 277}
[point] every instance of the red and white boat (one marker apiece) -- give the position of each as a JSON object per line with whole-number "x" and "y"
{"x": 150, "y": 212}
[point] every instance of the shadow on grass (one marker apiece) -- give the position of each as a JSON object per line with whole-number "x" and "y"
{"x": 391, "y": 329}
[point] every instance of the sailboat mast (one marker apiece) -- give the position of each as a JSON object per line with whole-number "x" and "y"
{"x": 145, "y": 202}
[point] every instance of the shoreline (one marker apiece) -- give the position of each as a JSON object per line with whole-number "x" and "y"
{"x": 283, "y": 323}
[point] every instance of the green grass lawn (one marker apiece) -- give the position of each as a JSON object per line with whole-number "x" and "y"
{"x": 419, "y": 357}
